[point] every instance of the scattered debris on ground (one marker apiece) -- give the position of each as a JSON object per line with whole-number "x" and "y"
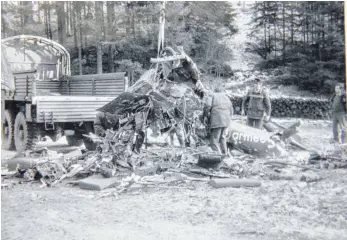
{"x": 161, "y": 100}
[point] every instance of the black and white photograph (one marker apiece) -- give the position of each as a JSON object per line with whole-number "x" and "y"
{"x": 173, "y": 120}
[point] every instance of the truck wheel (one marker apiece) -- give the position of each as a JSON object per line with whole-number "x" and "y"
{"x": 7, "y": 131}
{"x": 56, "y": 134}
{"x": 74, "y": 141}
{"x": 90, "y": 145}
{"x": 25, "y": 133}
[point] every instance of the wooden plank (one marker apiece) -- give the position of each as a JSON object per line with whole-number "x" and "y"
{"x": 67, "y": 105}
{"x": 23, "y": 77}
{"x": 111, "y": 80}
{"x": 109, "y": 89}
{"x": 73, "y": 88}
{"x": 81, "y": 92}
{"x": 108, "y": 92}
{"x": 22, "y": 83}
{"x": 97, "y": 76}
{"x": 97, "y": 79}
{"x": 116, "y": 85}
{"x": 72, "y": 116}
{"x": 48, "y": 86}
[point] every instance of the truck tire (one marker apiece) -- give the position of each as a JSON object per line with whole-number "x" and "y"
{"x": 56, "y": 134}
{"x": 25, "y": 133}
{"x": 89, "y": 144}
{"x": 74, "y": 141}
{"x": 7, "y": 131}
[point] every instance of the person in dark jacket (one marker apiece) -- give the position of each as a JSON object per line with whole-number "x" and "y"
{"x": 220, "y": 117}
{"x": 104, "y": 121}
{"x": 339, "y": 115}
{"x": 258, "y": 105}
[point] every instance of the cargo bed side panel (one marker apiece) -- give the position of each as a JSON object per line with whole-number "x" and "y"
{"x": 68, "y": 109}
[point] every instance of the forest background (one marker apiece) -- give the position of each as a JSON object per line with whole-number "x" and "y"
{"x": 292, "y": 43}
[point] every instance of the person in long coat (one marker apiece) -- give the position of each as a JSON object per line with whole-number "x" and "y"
{"x": 220, "y": 117}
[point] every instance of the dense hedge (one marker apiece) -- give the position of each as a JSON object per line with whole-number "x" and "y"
{"x": 293, "y": 107}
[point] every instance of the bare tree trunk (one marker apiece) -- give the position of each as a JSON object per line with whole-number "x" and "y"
{"x": 45, "y": 19}
{"x": 127, "y": 12}
{"x": 275, "y": 39}
{"x": 133, "y": 21}
{"x": 292, "y": 25}
{"x": 110, "y": 22}
{"x": 3, "y": 24}
{"x": 265, "y": 45}
{"x": 21, "y": 16}
{"x": 39, "y": 13}
{"x": 84, "y": 17}
{"x": 98, "y": 20}
{"x": 80, "y": 41}
{"x": 99, "y": 58}
{"x": 68, "y": 19}
{"x": 284, "y": 33}
{"x": 49, "y": 24}
{"x": 307, "y": 30}
{"x": 61, "y": 23}
{"x": 110, "y": 19}
{"x": 103, "y": 27}
{"x": 80, "y": 59}
{"x": 110, "y": 58}
{"x": 74, "y": 24}
{"x": 312, "y": 23}
{"x": 269, "y": 41}
{"x": 323, "y": 28}
{"x": 28, "y": 12}
{"x": 304, "y": 24}
{"x": 71, "y": 17}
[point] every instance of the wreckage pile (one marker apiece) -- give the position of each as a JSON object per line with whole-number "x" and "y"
{"x": 117, "y": 162}
{"x": 292, "y": 107}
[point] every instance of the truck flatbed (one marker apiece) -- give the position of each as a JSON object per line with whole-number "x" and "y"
{"x": 68, "y": 108}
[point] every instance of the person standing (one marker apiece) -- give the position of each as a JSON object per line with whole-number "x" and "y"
{"x": 220, "y": 114}
{"x": 258, "y": 105}
{"x": 339, "y": 114}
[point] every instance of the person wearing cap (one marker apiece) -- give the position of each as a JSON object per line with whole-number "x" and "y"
{"x": 339, "y": 114}
{"x": 258, "y": 104}
{"x": 221, "y": 111}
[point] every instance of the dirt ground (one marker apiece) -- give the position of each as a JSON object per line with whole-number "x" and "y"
{"x": 276, "y": 210}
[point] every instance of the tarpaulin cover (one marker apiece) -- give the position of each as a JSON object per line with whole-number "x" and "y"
{"x": 30, "y": 55}
{"x": 7, "y": 79}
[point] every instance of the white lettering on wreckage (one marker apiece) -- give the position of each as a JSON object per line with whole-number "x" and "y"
{"x": 246, "y": 137}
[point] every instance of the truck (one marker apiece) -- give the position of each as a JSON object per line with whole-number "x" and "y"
{"x": 39, "y": 97}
